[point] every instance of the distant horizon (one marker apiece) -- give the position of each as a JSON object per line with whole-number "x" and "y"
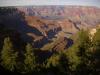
{"x": 49, "y": 5}
{"x": 91, "y": 3}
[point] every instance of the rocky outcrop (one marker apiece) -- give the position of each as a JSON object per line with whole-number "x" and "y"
{"x": 31, "y": 28}
{"x": 70, "y": 18}
{"x": 39, "y": 25}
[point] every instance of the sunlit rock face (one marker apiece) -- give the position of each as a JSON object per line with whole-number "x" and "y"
{"x": 41, "y": 24}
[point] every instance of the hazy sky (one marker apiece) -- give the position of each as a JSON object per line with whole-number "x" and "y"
{"x": 49, "y": 2}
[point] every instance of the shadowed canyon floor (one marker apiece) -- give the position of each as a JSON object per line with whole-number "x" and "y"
{"x": 40, "y": 25}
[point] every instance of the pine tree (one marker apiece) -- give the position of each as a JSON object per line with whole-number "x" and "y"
{"x": 63, "y": 63}
{"x": 73, "y": 58}
{"x": 83, "y": 41}
{"x": 8, "y": 55}
{"x": 96, "y": 40}
{"x": 53, "y": 64}
{"x": 84, "y": 45}
{"x": 96, "y": 52}
{"x": 30, "y": 59}
{"x": 53, "y": 61}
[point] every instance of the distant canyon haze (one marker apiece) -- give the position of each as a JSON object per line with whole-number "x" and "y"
{"x": 45, "y": 26}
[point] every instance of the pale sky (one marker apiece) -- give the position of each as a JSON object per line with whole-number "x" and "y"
{"x": 49, "y": 2}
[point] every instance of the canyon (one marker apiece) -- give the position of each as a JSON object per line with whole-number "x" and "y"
{"x": 49, "y": 27}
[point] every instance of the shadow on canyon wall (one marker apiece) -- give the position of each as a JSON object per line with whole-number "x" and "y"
{"x": 14, "y": 19}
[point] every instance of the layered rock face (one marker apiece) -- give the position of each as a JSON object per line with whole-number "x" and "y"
{"x": 41, "y": 24}
{"x": 66, "y": 16}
